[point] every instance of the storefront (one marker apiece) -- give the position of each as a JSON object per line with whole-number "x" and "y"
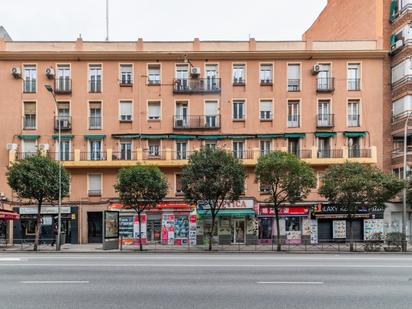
{"x": 294, "y": 224}
{"x": 333, "y": 224}
{"x": 236, "y": 223}
{"x": 24, "y": 228}
{"x": 6, "y": 216}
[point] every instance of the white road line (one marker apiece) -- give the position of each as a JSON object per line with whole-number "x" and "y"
{"x": 54, "y": 282}
{"x": 10, "y": 259}
{"x": 290, "y": 282}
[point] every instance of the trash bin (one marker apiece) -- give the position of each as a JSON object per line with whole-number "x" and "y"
{"x": 62, "y": 238}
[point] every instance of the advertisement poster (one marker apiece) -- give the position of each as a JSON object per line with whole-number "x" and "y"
{"x": 372, "y": 227}
{"x": 339, "y": 228}
{"x": 306, "y": 226}
{"x": 111, "y": 224}
{"x": 168, "y": 229}
{"x": 313, "y": 231}
{"x": 126, "y": 229}
{"x": 293, "y": 237}
{"x": 181, "y": 230}
{"x": 282, "y": 226}
{"x": 136, "y": 238}
{"x": 192, "y": 228}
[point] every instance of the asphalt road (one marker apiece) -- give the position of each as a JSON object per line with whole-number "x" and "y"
{"x": 205, "y": 281}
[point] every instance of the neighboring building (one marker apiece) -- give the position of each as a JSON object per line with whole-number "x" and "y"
{"x": 324, "y": 98}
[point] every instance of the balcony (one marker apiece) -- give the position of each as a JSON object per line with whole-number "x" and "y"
{"x": 330, "y": 153}
{"x": 29, "y": 85}
{"x": 354, "y": 84}
{"x": 243, "y": 154}
{"x": 95, "y": 123}
{"x": 93, "y": 156}
{"x": 325, "y": 121}
{"x": 65, "y": 123}
{"x": 239, "y": 81}
{"x": 126, "y": 81}
{"x": 302, "y": 153}
{"x": 197, "y": 85}
{"x": 195, "y": 122}
{"x": 325, "y": 84}
{"x": 398, "y": 154}
{"x": 124, "y": 155}
{"x": 95, "y": 86}
{"x": 353, "y": 120}
{"x": 359, "y": 153}
{"x": 293, "y": 121}
{"x": 29, "y": 122}
{"x": 63, "y": 85}
{"x": 25, "y": 155}
{"x": 293, "y": 85}
{"x": 64, "y": 156}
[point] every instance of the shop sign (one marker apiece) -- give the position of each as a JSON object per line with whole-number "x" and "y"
{"x": 240, "y": 204}
{"x": 284, "y": 211}
{"x": 335, "y": 209}
{"x": 339, "y": 228}
{"x": 143, "y": 229}
{"x": 44, "y": 210}
{"x": 372, "y": 228}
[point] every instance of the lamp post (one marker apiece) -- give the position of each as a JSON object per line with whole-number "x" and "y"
{"x": 59, "y": 216}
{"x": 405, "y": 149}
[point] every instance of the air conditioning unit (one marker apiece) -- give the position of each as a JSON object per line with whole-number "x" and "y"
{"x": 44, "y": 147}
{"x": 16, "y": 72}
{"x": 179, "y": 123}
{"x": 50, "y": 73}
{"x": 11, "y": 146}
{"x": 315, "y": 69}
{"x": 195, "y": 71}
{"x": 398, "y": 44}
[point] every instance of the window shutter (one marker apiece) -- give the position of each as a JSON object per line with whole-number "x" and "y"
{"x": 94, "y": 182}
{"x": 125, "y": 108}
{"x": 293, "y": 71}
{"x": 30, "y": 108}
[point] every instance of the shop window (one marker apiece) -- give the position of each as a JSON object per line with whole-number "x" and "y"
{"x": 179, "y": 184}
{"x": 292, "y": 224}
{"x": 29, "y": 227}
{"x": 265, "y": 228}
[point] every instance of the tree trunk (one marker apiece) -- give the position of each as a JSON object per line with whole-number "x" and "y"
{"x": 350, "y": 233}
{"x": 38, "y": 227}
{"x": 279, "y": 245}
{"x": 140, "y": 231}
{"x": 211, "y": 231}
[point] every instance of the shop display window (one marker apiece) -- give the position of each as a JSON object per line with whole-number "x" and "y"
{"x": 292, "y": 224}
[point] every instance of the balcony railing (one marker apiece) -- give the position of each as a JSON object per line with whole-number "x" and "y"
{"x": 239, "y": 81}
{"x": 124, "y": 155}
{"x": 197, "y": 85}
{"x": 359, "y": 153}
{"x": 63, "y": 85}
{"x": 29, "y": 122}
{"x": 154, "y": 154}
{"x": 293, "y": 121}
{"x": 95, "y": 86}
{"x": 65, "y": 123}
{"x": 25, "y": 155}
{"x": 93, "y": 156}
{"x": 196, "y": 122}
{"x": 293, "y": 85}
{"x": 243, "y": 154}
{"x": 325, "y": 84}
{"x": 95, "y": 123}
{"x": 330, "y": 153}
{"x": 29, "y": 85}
{"x": 126, "y": 81}
{"x": 64, "y": 156}
{"x": 354, "y": 84}
{"x": 95, "y": 192}
{"x": 325, "y": 120}
{"x": 302, "y": 153}
{"x": 353, "y": 120}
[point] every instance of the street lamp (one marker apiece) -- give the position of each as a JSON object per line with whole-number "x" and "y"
{"x": 59, "y": 216}
{"x": 405, "y": 149}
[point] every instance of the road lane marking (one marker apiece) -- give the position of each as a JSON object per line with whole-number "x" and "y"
{"x": 290, "y": 282}
{"x": 54, "y": 282}
{"x": 10, "y": 259}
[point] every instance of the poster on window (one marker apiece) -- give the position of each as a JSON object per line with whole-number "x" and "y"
{"x": 293, "y": 237}
{"x": 314, "y": 231}
{"x": 143, "y": 231}
{"x": 126, "y": 229}
{"x": 306, "y": 226}
{"x": 339, "y": 229}
{"x": 192, "y": 228}
{"x": 282, "y": 227}
{"x": 168, "y": 229}
{"x": 373, "y": 229}
{"x": 181, "y": 230}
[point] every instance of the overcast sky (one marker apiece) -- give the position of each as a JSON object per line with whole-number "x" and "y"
{"x": 159, "y": 19}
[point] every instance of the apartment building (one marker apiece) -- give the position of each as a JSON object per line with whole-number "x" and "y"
{"x": 324, "y": 99}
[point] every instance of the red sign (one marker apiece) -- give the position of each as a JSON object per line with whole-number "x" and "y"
{"x": 162, "y": 205}
{"x": 9, "y": 215}
{"x": 292, "y": 210}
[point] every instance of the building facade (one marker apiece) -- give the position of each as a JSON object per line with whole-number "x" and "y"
{"x": 324, "y": 98}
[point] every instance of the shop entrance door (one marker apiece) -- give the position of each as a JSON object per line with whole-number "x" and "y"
{"x": 95, "y": 227}
{"x": 3, "y": 230}
{"x": 238, "y": 231}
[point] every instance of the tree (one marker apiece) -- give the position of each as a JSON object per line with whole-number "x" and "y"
{"x": 213, "y": 177}
{"x": 353, "y": 185}
{"x": 288, "y": 178}
{"x": 37, "y": 178}
{"x": 141, "y": 188}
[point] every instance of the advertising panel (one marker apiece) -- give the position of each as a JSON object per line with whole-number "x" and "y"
{"x": 313, "y": 231}
{"x": 372, "y": 228}
{"x": 339, "y": 228}
{"x": 111, "y": 224}
{"x": 143, "y": 230}
{"x": 126, "y": 229}
{"x": 168, "y": 229}
{"x": 192, "y": 228}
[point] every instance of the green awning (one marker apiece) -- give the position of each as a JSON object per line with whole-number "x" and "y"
{"x": 270, "y": 135}
{"x": 178, "y": 136}
{"x": 95, "y": 136}
{"x": 65, "y": 136}
{"x": 325, "y": 134}
{"x": 154, "y": 136}
{"x": 294, "y": 135}
{"x": 236, "y": 136}
{"x": 28, "y": 136}
{"x": 126, "y": 136}
{"x": 354, "y": 134}
{"x": 212, "y": 136}
{"x": 392, "y": 40}
{"x": 228, "y": 213}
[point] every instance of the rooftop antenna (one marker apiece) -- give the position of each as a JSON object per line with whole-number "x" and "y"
{"x": 107, "y": 20}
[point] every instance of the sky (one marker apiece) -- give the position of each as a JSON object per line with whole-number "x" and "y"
{"x": 159, "y": 20}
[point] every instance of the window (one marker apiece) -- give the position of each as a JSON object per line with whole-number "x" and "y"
{"x": 95, "y": 184}
{"x": 211, "y": 116}
{"x": 264, "y": 188}
{"x": 239, "y": 74}
{"x": 293, "y": 114}
{"x": 292, "y": 224}
{"x": 210, "y": 144}
{"x": 153, "y": 110}
{"x": 29, "y": 121}
{"x": 181, "y": 114}
{"x": 266, "y": 74}
{"x": 179, "y": 184}
{"x": 95, "y": 78}
{"x": 239, "y": 110}
{"x": 63, "y": 79}
{"x": 354, "y": 148}
{"x": 126, "y": 74}
{"x": 181, "y": 150}
{"x": 95, "y": 147}
{"x": 63, "y": 116}
{"x": 320, "y": 176}
{"x": 293, "y": 77}
{"x": 212, "y": 74}
{"x": 324, "y": 147}
{"x": 265, "y": 147}
{"x": 126, "y": 108}
{"x": 64, "y": 150}
{"x": 154, "y": 73}
{"x": 324, "y": 114}
{"x": 154, "y": 148}
{"x": 29, "y": 148}
{"x": 265, "y": 109}
{"x": 294, "y": 146}
{"x": 95, "y": 119}
{"x": 238, "y": 149}
{"x": 126, "y": 150}
{"x": 353, "y": 76}
{"x": 29, "y": 78}
{"x": 353, "y": 113}
{"x": 324, "y": 79}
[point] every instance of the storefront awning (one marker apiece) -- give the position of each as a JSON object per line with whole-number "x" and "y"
{"x": 325, "y": 134}
{"x": 28, "y": 136}
{"x": 354, "y": 134}
{"x": 65, "y": 136}
{"x": 178, "y": 136}
{"x": 154, "y": 136}
{"x": 236, "y": 136}
{"x": 270, "y": 135}
{"x": 126, "y": 136}
{"x": 228, "y": 213}
{"x": 95, "y": 136}
{"x": 9, "y": 215}
{"x": 211, "y": 136}
{"x": 294, "y": 135}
